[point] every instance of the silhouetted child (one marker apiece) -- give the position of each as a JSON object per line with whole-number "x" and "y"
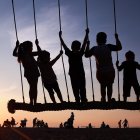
{"x": 125, "y": 123}
{"x": 105, "y": 70}
{"x": 76, "y": 69}
{"x": 34, "y": 122}
{"x": 25, "y": 56}
{"x": 129, "y": 68}
{"x": 103, "y": 125}
{"x": 47, "y": 73}
{"x": 119, "y": 123}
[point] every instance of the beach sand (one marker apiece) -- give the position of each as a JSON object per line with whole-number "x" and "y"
{"x": 69, "y": 134}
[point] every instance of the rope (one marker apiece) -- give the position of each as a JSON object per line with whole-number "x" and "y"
{"x": 36, "y": 38}
{"x": 89, "y": 58}
{"x": 17, "y": 40}
{"x": 114, "y": 5}
{"x": 34, "y": 19}
{"x": 62, "y": 55}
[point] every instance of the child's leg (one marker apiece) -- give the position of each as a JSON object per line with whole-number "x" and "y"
{"x": 75, "y": 88}
{"x": 51, "y": 92}
{"x": 126, "y": 91}
{"x": 33, "y": 90}
{"x": 83, "y": 89}
{"x": 103, "y": 92}
{"x": 109, "y": 92}
{"x": 136, "y": 87}
{"x": 124, "y": 98}
{"x": 57, "y": 90}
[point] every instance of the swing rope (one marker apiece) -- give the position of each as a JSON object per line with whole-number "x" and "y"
{"x": 37, "y": 39}
{"x": 91, "y": 74}
{"x": 17, "y": 40}
{"x": 114, "y": 5}
{"x": 62, "y": 55}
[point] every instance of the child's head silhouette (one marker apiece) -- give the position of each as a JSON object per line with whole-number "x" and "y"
{"x": 27, "y": 46}
{"x": 75, "y": 46}
{"x": 44, "y": 56}
{"x": 101, "y": 38}
{"x": 130, "y": 55}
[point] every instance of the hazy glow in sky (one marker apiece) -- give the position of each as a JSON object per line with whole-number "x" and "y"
{"x": 100, "y": 15}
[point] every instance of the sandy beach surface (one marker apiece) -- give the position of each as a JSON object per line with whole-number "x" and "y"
{"x": 69, "y": 134}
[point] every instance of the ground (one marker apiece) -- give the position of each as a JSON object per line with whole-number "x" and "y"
{"x": 69, "y": 134}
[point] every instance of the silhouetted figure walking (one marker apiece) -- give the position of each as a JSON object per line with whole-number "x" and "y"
{"x": 129, "y": 68}
{"x": 25, "y": 56}
{"x": 120, "y": 123}
{"x": 34, "y": 122}
{"x": 76, "y": 69}
{"x": 105, "y": 70}
{"x": 47, "y": 73}
{"x": 13, "y": 122}
{"x": 125, "y": 123}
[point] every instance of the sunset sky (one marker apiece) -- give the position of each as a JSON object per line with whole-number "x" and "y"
{"x": 100, "y": 15}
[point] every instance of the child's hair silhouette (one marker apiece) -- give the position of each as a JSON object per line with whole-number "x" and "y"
{"x": 75, "y": 46}
{"x": 130, "y": 55}
{"x": 101, "y": 37}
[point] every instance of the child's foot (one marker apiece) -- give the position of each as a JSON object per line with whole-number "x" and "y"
{"x": 31, "y": 102}
{"x": 103, "y": 99}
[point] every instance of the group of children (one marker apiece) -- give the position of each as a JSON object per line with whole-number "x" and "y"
{"x": 105, "y": 70}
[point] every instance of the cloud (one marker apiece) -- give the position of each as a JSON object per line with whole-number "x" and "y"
{"x": 8, "y": 89}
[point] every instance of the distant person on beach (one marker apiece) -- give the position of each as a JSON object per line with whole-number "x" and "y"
{"x": 129, "y": 68}
{"x": 105, "y": 70}
{"x": 25, "y": 56}
{"x": 47, "y": 73}
{"x": 23, "y": 122}
{"x": 69, "y": 122}
{"x": 120, "y": 123}
{"x": 76, "y": 68}
{"x": 34, "y": 122}
{"x": 61, "y": 125}
{"x": 103, "y": 125}
{"x": 6, "y": 123}
{"x": 13, "y": 122}
{"x": 125, "y": 123}
{"x": 89, "y": 125}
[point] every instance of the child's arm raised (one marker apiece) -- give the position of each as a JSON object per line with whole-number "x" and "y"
{"x": 85, "y": 41}
{"x": 89, "y": 52}
{"x": 56, "y": 58}
{"x": 37, "y": 45}
{"x": 38, "y": 48}
{"x": 62, "y": 41}
{"x": 15, "y": 51}
{"x": 118, "y": 43}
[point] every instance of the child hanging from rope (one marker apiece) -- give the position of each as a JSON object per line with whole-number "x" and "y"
{"x": 76, "y": 69}
{"x": 47, "y": 73}
{"x": 105, "y": 71}
{"x": 129, "y": 75}
{"x": 25, "y": 56}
